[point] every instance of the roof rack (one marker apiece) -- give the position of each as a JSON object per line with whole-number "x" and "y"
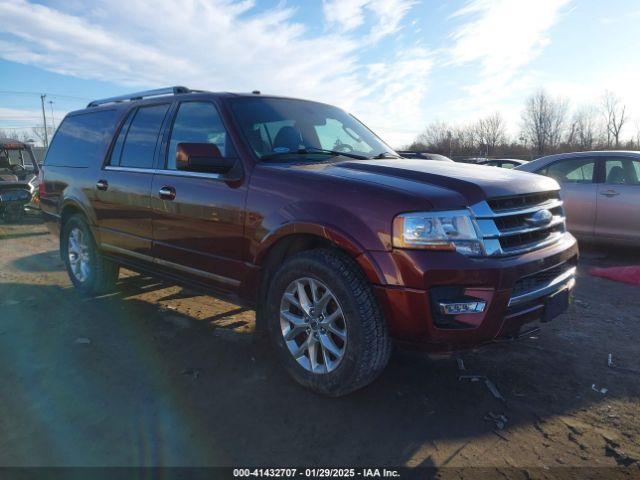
{"x": 140, "y": 95}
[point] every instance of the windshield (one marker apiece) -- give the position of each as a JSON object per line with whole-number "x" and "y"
{"x": 285, "y": 127}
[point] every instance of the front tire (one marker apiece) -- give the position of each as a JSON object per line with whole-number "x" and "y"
{"x": 325, "y": 322}
{"x": 89, "y": 271}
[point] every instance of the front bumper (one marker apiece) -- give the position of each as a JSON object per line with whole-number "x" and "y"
{"x": 416, "y": 280}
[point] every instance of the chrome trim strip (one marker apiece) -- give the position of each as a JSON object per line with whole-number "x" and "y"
{"x": 557, "y": 220}
{"x": 176, "y": 266}
{"x": 129, "y": 169}
{"x": 565, "y": 280}
{"x": 483, "y": 210}
{"x": 160, "y": 171}
{"x": 178, "y": 173}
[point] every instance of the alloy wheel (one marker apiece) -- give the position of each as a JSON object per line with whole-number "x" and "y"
{"x": 78, "y": 252}
{"x": 313, "y": 325}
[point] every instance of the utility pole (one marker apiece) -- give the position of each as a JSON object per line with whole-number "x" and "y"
{"x": 44, "y": 119}
{"x": 53, "y": 119}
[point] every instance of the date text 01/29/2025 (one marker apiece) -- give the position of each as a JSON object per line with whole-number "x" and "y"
{"x": 315, "y": 472}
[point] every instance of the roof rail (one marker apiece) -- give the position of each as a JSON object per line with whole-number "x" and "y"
{"x": 140, "y": 95}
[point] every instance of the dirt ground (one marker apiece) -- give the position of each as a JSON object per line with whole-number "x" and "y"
{"x": 154, "y": 375}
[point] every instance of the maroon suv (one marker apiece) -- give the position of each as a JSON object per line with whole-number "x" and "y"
{"x": 295, "y": 208}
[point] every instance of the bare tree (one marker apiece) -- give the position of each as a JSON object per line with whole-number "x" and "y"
{"x": 490, "y": 132}
{"x": 21, "y": 136}
{"x": 465, "y": 139}
{"x": 435, "y": 137}
{"x": 543, "y": 121}
{"x": 38, "y": 132}
{"x": 585, "y": 131}
{"x": 615, "y": 118}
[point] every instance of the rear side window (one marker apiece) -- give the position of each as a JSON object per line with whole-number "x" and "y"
{"x": 81, "y": 140}
{"x": 138, "y": 138}
{"x": 575, "y": 170}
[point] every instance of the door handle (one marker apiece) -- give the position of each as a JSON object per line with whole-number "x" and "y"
{"x": 610, "y": 193}
{"x": 102, "y": 185}
{"x": 167, "y": 193}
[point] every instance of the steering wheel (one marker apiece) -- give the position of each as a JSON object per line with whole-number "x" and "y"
{"x": 343, "y": 147}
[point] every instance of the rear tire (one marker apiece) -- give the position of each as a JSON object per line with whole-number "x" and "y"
{"x": 344, "y": 340}
{"x": 89, "y": 271}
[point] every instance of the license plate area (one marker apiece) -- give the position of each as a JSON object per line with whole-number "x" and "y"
{"x": 555, "y": 305}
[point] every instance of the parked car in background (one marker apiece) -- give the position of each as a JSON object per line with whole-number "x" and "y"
{"x": 297, "y": 209}
{"x": 475, "y": 160}
{"x": 18, "y": 179}
{"x": 424, "y": 155}
{"x": 601, "y": 192}
{"x": 502, "y": 162}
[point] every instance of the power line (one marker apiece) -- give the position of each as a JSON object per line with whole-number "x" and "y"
{"x": 59, "y": 95}
{"x": 2, "y": 127}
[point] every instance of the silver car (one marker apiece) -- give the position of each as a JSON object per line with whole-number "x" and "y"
{"x": 601, "y": 192}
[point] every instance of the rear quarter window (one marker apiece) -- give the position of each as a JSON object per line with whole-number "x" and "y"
{"x": 82, "y": 140}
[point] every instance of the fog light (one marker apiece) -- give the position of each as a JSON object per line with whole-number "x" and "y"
{"x": 459, "y": 308}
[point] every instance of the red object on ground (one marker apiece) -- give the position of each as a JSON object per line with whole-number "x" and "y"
{"x": 629, "y": 274}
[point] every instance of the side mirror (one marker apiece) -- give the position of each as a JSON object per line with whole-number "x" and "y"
{"x": 202, "y": 157}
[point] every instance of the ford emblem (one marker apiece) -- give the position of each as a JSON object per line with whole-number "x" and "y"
{"x": 541, "y": 217}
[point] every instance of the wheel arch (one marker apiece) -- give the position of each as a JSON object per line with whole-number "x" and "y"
{"x": 293, "y": 239}
{"x": 72, "y": 207}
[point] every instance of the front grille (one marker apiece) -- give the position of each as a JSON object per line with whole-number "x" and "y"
{"x": 522, "y": 201}
{"x": 519, "y": 223}
{"x": 540, "y": 279}
{"x": 528, "y": 238}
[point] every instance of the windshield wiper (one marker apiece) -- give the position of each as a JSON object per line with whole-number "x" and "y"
{"x": 310, "y": 151}
{"x": 382, "y": 155}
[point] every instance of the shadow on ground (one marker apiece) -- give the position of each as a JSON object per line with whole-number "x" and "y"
{"x": 117, "y": 380}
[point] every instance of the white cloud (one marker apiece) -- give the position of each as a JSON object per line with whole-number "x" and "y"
{"x": 397, "y": 107}
{"x": 217, "y": 45}
{"x": 500, "y": 38}
{"x": 17, "y": 115}
{"x": 350, "y": 14}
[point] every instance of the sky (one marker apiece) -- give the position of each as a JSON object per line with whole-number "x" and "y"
{"x": 395, "y": 64}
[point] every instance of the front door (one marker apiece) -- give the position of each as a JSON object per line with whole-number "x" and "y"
{"x": 576, "y": 178}
{"x": 198, "y": 220}
{"x": 618, "y": 213}
{"x": 123, "y": 187}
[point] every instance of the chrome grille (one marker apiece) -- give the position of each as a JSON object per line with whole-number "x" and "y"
{"x": 520, "y": 223}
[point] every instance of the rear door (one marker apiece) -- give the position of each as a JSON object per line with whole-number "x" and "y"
{"x": 123, "y": 186}
{"x": 618, "y": 213}
{"x": 579, "y": 192}
{"x": 198, "y": 228}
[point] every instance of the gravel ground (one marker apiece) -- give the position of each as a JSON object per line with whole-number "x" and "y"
{"x": 155, "y": 375}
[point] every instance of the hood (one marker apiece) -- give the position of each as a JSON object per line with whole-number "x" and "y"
{"x": 474, "y": 182}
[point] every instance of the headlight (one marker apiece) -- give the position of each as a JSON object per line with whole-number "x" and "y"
{"x": 452, "y": 230}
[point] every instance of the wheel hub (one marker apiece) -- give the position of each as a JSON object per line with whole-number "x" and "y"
{"x": 78, "y": 253}
{"x": 313, "y": 325}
